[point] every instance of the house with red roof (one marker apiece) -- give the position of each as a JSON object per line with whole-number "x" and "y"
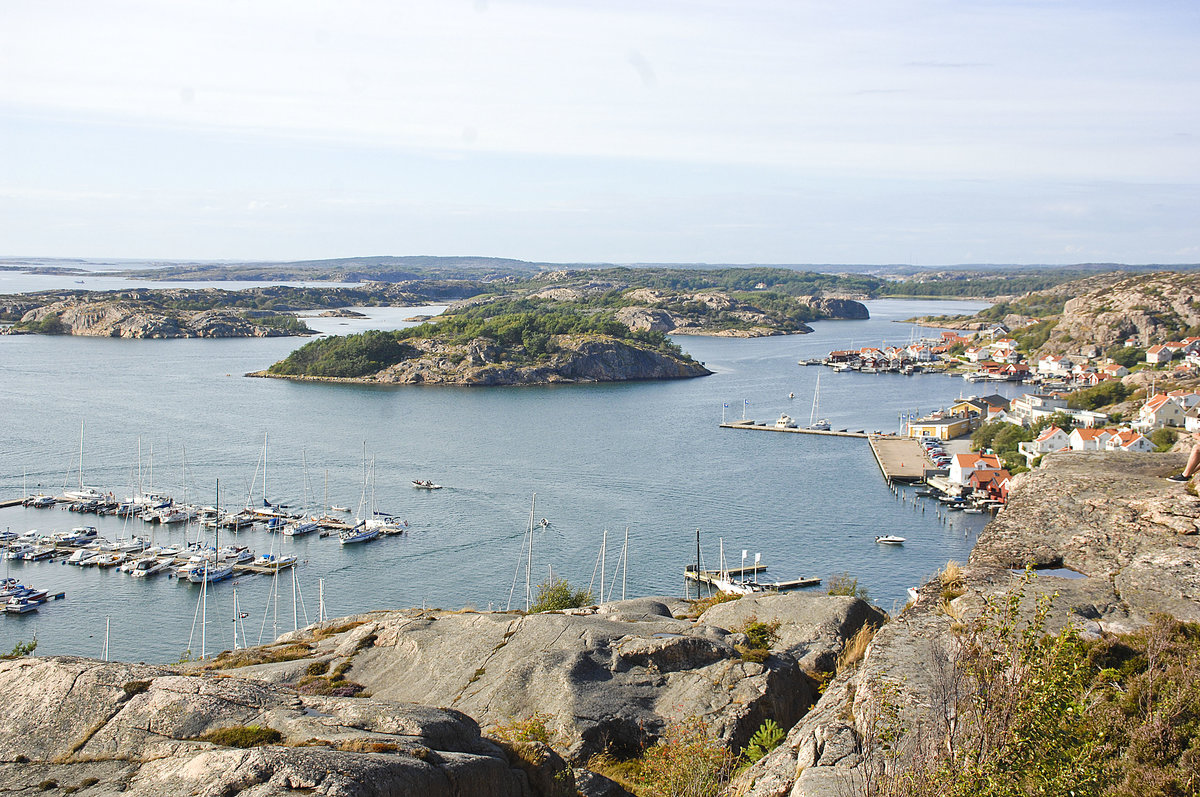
{"x": 1129, "y": 441}
{"x": 963, "y": 465}
{"x": 1159, "y": 354}
{"x": 1082, "y": 439}
{"x": 992, "y": 483}
{"x": 1161, "y": 410}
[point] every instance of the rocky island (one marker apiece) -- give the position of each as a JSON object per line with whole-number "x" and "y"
{"x": 495, "y": 343}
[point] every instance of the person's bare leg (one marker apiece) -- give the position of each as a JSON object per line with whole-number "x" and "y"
{"x": 1193, "y": 463}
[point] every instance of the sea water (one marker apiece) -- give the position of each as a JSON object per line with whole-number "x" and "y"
{"x": 649, "y": 458}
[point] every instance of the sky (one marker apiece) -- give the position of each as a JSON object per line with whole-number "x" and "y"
{"x": 927, "y": 132}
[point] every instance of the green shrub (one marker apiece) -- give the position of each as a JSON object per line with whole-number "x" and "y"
{"x": 686, "y": 762}
{"x": 21, "y": 649}
{"x": 768, "y": 736}
{"x": 242, "y": 736}
{"x": 557, "y": 594}
{"x": 843, "y": 584}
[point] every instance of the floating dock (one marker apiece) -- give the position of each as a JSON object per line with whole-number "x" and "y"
{"x": 710, "y": 577}
{"x": 749, "y": 424}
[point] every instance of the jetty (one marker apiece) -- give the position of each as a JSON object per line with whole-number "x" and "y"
{"x": 762, "y": 426}
{"x": 711, "y": 577}
{"x": 902, "y": 459}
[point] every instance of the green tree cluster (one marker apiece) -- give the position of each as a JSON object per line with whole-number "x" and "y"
{"x": 1108, "y": 392}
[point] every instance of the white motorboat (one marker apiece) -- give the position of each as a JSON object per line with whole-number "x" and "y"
{"x": 39, "y": 552}
{"x": 275, "y": 562}
{"x": 889, "y": 539}
{"x": 425, "y": 484}
{"x": 300, "y": 527}
{"x": 236, "y": 554}
{"x": 336, "y": 508}
{"x": 18, "y": 550}
{"x": 148, "y": 566}
{"x": 785, "y": 422}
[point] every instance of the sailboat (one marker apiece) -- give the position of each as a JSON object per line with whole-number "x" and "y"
{"x": 815, "y": 423}
{"x": 82, "y": 493}
{"x": 362, "y": 530}
{"x": 212, "y": 568}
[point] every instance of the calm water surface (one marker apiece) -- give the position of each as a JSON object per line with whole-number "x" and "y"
{"x": 649, "y": 457}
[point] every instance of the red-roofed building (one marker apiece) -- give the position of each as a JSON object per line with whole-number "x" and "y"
{"x": 993, "y": 483}
{"x": 1129, "y": 441}
{"x": 963, "y": 465}
{"x": 1089, "y": 439}
{"x": 1158, "y": 354}
{"x": 1158, "y": 412}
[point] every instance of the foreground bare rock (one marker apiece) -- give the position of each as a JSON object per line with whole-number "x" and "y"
{"x": 109, "y": 728}
{"x": 1127, "y": 538}
{"x": 609, "y": 677}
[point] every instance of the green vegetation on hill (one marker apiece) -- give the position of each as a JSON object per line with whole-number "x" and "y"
{"x": 523, "y": 327}
{"x": 1054, "y": 714}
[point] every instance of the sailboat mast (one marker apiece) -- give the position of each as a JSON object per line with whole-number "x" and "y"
{"x": 81, "y": 455}
{"x": 625, "y": 562}
{"x": 529, "y": 559}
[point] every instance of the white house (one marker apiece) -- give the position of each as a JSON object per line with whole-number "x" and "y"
{"x": 1158, "y": 412}
{"x": 1089, "y": 439}
{"x": 1051, "y": 439}
{"x": 1054, "y": 365}
{"x": 1191, "y": 419}
{"x": 963, "y": 465}
{"x": 1114, "y": 370}
{"x": 1129, "y": 441}
{"x": 1032, "y": 406}
{"x": 1159, "y": 354}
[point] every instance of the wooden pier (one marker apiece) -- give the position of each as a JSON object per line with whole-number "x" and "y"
{"x": 749, "y": 424}
{"x": 710, "y": 577}
{"x": 902, "y": 459}
{"x": 5, "y": 504}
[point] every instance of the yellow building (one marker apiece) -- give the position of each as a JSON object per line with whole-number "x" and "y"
{"x": 941, "y": 428}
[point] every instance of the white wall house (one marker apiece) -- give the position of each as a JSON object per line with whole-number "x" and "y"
{"x": 1089, "y": 439}
{"x": 1129, "y": 441}
{"x": 1158, "y": 412}
{"x": 963, "y": 465}
{"x": 1051, "y": 439}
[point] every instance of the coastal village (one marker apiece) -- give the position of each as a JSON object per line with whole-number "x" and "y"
{"x": 1049, "y": 415}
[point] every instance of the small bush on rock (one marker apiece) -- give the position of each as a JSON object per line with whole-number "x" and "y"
{"x": 556, "y": 595}
{"x": 242, "y": 736}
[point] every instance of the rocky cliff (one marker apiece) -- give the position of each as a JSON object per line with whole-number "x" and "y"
{"x": 116, "y": 318}
{"x": 1150, "y": 308}
{"x": 1127, "y": 542}
{"x": 606, "y": 677}
{"x": 482, "y": 362}
{"x": 718, "y": 313}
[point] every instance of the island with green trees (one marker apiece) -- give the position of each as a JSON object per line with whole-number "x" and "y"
{"x": 517, "y": 342}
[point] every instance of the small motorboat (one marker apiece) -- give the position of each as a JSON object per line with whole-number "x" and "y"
{"x": 972, "y": 510}
{"x": 275, "y": 562}
{"x": 336, "y": 508}
{"x": 21, "y": 606}
{"x": 889, "y": 539}
{"x": 425, "y": 484}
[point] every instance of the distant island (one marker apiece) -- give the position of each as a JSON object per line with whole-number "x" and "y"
{"x": 519, "y": 342}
